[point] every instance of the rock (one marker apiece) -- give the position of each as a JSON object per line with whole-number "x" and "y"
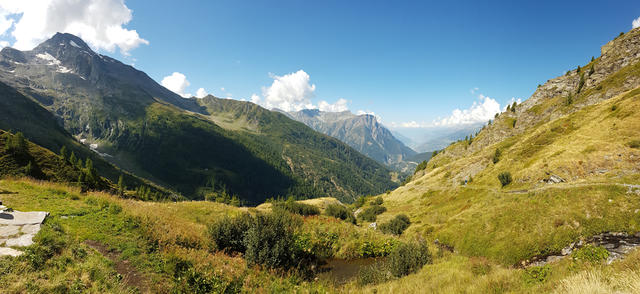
{"x": 358, "y": 211}
{"x": 7, "y": 231}
{"x": 556, "y": 179}
{"x": 566, "y": 251}
{"x": 373, "y": 225}
{"x": 19, "y": 218}
{"x": 22, "y": 241}
{"x": 4, "y": 251}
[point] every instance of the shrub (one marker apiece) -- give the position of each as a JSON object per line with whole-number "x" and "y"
{"x": 569, "y": 100}
{"x": 590, "y": 253}
{"x": 340, "y": 211}
{"x": 49, "y": 242}
{"x": 408, "y": 258}
{"x": 581, "y": 83}
{"x": 505, "y": 178}
{"x": 228, "y": 233}
{"x": 614, "y": 107}
{"x": 296, "y": 207}
{"x": 270, "y": 241}
{"x": 360, "y": 201}
{"x": 377, "y": 201}
{"x": 371, "y": 213}
{"x": 537, "y": 274}
{"x": 496, "y": 156}
{"x": 634, "y": 144}
{"x": 396, "y": 226}
{"x": 374, "y": 274}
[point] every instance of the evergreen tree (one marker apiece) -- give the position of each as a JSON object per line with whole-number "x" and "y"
{"x": 121, "y": 187}
{"x": 29, "y": 169}
{"x": 73, "y": 159}
{"x": 63, "y": 152}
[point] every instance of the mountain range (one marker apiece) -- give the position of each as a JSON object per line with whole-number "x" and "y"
{"x": 362, "y": 132}
{"x": 194, "y": 146}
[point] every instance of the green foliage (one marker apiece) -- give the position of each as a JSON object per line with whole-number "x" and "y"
{"x": 569, "y": 100}
{"x": 360, "y": 201}
{"x": 49, "y": 242}
{"x": 496, "y": 155}
{"x": 228, "y": 233}
{"x": 505, "y": 178}
{"x": 377, "y": 249}
{"x": 340, "y": 211}
{"x": 590, "y": 253}
{"x": 591, "y": 70}
{"x": 580, "y": 83}
{"x": 377, "y": 201}
{"x": 64, "y": 153}
{"x": 537, "y": 274}
{"x": 121, "y": 187}
{"x": 270, "y": 241}
{"x": 421, "y": 166}
{"x": 614, "y": 107}
{"x": 371, "y": 213}
{"x": 578, "y": 70}
{"x": 513, "y": 106}
{"x": 634, "y": 144}
{"x": 374, "y": 274}
{"x": 408, "y": 258}
{"x": 296, "y": 207}
{"x": 396, "y": 225}
{"x": 16, "y": 144}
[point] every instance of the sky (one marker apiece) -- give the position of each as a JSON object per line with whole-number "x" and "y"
{"x": 414, "y": 64}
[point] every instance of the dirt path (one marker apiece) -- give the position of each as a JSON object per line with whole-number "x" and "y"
{"x": 563, "y": 186}
{"x": 130, "y": 276}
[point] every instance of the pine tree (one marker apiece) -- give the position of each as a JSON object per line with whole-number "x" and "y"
{"x": 73, "y": 159}
{"x": 121, "y": 187}
{"x": 63, "y": 152}
{"x": 28, "y": 170}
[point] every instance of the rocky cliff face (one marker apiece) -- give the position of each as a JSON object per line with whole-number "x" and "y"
{"x": 362, "y": 132}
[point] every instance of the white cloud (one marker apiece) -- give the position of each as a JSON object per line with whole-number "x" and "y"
{"x": 636, "y": 23}
{"x": 255, "y": 99}
{"x": 201, "y": 93}
{"x": 98, "y": 22}
{"x": 481, "y": 111}
{"x": 177, "y": 83}
{"x": 4, "y": 44}
{"x": 291, "y": 92}
{"x": 339, "y": 106}
{"x": 294, "y": 92}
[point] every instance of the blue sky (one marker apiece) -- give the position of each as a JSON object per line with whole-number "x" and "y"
{"x": 404, "y": 60}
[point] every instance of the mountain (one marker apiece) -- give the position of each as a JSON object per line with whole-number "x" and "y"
{"x": 542, "y": 180}
{"x": 140, "y": 126}
{"x": 362, "y": 132}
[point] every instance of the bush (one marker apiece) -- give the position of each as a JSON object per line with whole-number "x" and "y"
{"x": 228, "y": 233}
{"x": 371, "y": 213}
{"x": 634, "y": 144}
{"x": 360, "y": 201}
{"x": 408, "y": 258}
{"x": 537, "y": 274}
{"x": 340, "y": 211}
{"x": 505, "y": 178}
{"x": 296, "y": 207}
{"x": 496, "y": 156}
{"x": 569, "y": 100}
{"x": 614, "y": 107}
{"x": 397, "y": 225}
{"x": 377, "y": 201}
{"x": 590, "y": 253}
{"x": 270, "y": 242}
{"x": 374, "y": 274}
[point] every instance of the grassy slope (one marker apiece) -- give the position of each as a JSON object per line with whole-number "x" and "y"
{"x": 588, "y": 146}
{"x": 19, "y": 113}
{"x": 151, "y": 237}
{"x": 326, "y": 166}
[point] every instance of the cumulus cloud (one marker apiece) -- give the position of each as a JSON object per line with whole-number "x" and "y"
{"x": 635, "y": 23}
{"x": 177, "y": 83}
{"x": 480, "y": 111}
{"x": 201, "y": 93}
{"x": 294, "y": 92}
{"x": 255, "y": 99}
{"x": 291, "y": 92}
{"x": 339, "y": 106}
{"x": 98, "y": 22}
